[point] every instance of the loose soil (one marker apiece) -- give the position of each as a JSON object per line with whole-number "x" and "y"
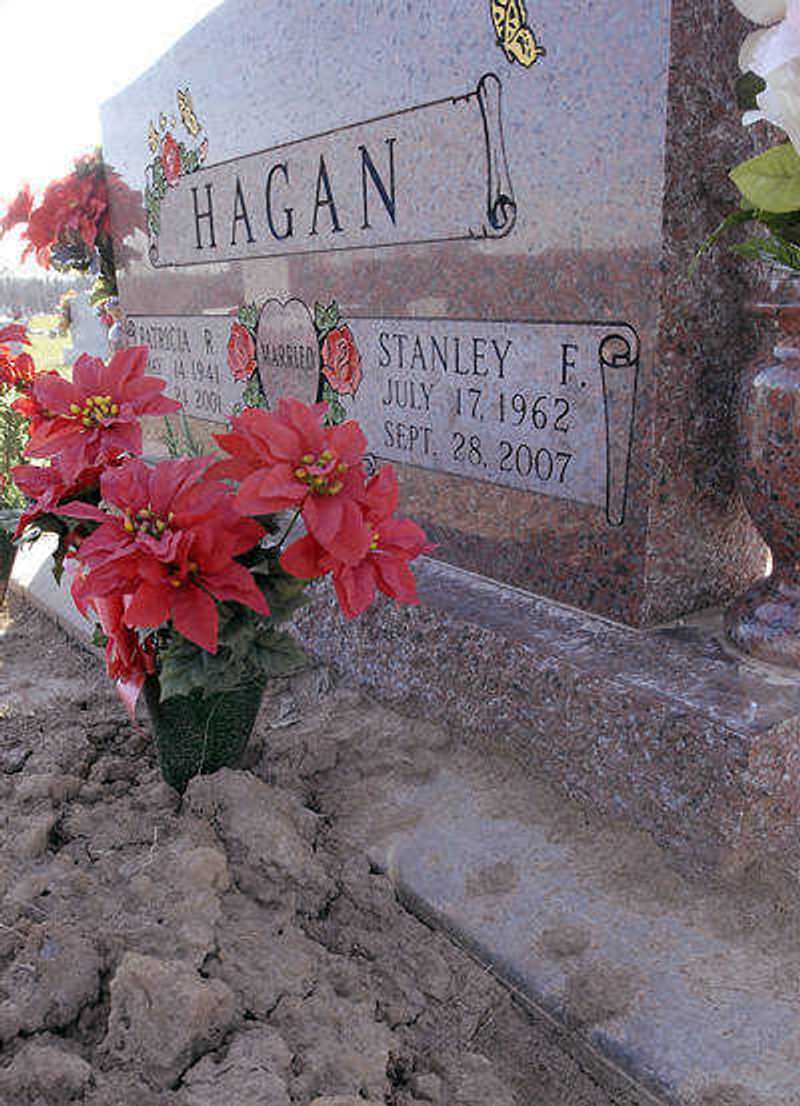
{"x": 229, "y": 948}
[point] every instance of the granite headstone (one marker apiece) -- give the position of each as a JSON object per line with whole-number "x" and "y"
{"x": 469, "y": 227}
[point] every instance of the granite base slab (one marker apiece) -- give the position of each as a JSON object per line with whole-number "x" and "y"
{"x": 668, "y": 989}
{"x": 666, "y": 727}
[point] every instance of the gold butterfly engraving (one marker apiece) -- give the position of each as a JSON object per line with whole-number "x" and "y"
{"x": 510, "y": 21}
{"x": 187, "y": 112}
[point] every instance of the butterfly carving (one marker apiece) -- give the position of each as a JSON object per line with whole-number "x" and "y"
{"x": 510, "y": 21}
{"x": 188, "y": 116}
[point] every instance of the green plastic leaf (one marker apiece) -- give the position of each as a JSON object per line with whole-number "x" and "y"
{"x": 771, "y": 249}
{"x": 250, "y": 650}
{"x": 735, "y": 219}
{"x": 253, "y": 396}
{"x": 102, "y": 289}
{"x": 748, "y": 86}
{"x": 336, "y": 411}
{"x": 248, "y": 316}
{"x": 771, "y": 181}
{"x": 325, "y": 318}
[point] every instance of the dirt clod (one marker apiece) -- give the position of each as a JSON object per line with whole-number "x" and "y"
{"x": 164, "y": 1016}
{"x": 233, "y": 946}
{"x": 45, "y": 1071}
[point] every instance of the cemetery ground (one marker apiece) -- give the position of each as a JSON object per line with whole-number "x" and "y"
{"x": 237, "y": 946}
{"x": 47, "y": 346}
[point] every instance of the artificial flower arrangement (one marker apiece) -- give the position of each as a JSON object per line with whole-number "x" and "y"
{"x": 16, "y": 377}
{"x": 69, "y": 229}
{"x": 187, "y": 563}
{"x": 769, "y": 90}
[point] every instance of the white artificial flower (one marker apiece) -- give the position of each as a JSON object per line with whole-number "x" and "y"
{"x": 779, "y": 103}
{"x": 769, "y": 49}
{"x": 762, "y": 11}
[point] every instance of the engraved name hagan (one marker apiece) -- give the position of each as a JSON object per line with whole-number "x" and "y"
{"x": 436, "y": 172}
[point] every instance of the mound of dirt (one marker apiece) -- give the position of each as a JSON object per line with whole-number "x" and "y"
{"x": 229, "y": 947}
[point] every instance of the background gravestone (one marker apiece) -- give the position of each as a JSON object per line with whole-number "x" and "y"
{"x": 87, "y": 331}
{"x": 484, "y": 218}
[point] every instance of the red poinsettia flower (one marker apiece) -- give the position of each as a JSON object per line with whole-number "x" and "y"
{"x": 128, "y": 660}
{"x": 14, "y": 371}
{"x": 289, "y": 459}
{"x": 241, "y": 353}
{"x": 18, "y": 211}
{"x": 14, "y": 332}
{"x": 341, "y": 361}
{"x": 17, "y": 372}
{"x": 170, "y": 545}
{"x": 391, "y": 544}
{"x": 74, "y": 208}
{"x": 171, "y": 159}
{"x": 29, "y": 406}
{"x": 46, "y": 486}
{"x": 96, "y": 416}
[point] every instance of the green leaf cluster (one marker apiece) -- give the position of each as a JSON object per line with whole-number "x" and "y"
{"x": 154, "y": 192}
{"x": 13, "y": 437}
{"x": 248, "y": 316}
{"x": 336, "y": 411}
{"x": 103, "y": 288}
{"x": 190, "y": 160}
{"x": 326, "y": 319}
{"x": 253, "y": 395}
{"x": 181, "y": 442}
{"x": 769, "y": 185}
{"x": 771, "y": 181}
{"x": 748, "y": 87}
{"x": 771, "y": 249}
{"x": 251, "y": 649}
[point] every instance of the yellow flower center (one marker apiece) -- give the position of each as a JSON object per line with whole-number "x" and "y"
{"x": 179, "y": 576}
{"x": 146, "y": 521}
{"x": 95, "y": 409}
{"x": 322, "y": 474}
{"x": 376, "y": 537}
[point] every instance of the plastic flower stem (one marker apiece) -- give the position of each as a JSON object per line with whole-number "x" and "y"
{"x": 289, "y": 528}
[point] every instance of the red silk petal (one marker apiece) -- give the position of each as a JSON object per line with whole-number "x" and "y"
{"x": 194, "y": 614}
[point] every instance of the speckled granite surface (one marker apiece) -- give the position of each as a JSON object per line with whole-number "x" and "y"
{"x": 617, "y": 146}
{"x": 665, "y": 727}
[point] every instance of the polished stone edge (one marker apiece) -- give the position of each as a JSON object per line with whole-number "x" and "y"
{"x": 654, "y": 982}
{"x": 32, "y": 577}
{"x": 664, "y": 727}
{"x": 624, "y": 1084}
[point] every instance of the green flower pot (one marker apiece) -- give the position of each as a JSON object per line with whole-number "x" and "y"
{"x": 199, "y": 734}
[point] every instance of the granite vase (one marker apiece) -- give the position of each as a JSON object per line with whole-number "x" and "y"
{"x": 199, "y": 734}
{"x": 765, "y": 622}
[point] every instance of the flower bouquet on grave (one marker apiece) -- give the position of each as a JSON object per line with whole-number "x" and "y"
{"x": 186, "y": 563}
{"x": 765, "y": 621}
{"x": 16, "y": 378}
{"x": 70, "y": 228}
{"x": 769, "y": 90}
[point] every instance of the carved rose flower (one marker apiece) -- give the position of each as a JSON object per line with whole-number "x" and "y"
{"x": 171, "y": 159}
{"x": 341, "y": 361}
{"x": 241, "y": 353}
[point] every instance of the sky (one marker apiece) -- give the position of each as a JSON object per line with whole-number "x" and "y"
{"x": 61, "y": 61}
